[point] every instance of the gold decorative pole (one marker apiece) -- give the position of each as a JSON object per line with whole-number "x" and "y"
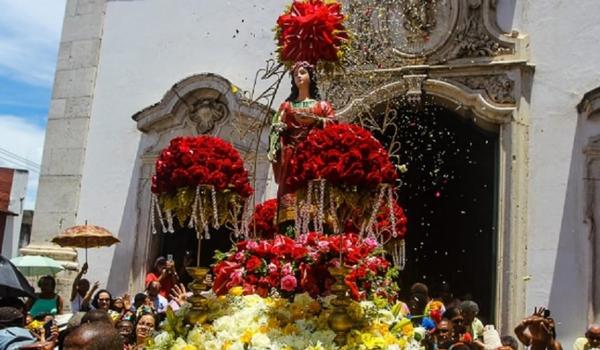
{"x": 339, "y": 320}
{"x": 198, "y": 313}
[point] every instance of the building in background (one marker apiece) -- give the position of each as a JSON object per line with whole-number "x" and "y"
{"x": 522, "y": 71}
{"x": 13, "y": 187}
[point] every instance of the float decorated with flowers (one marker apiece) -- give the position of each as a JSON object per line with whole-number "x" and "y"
{"x": 327, "y": 280}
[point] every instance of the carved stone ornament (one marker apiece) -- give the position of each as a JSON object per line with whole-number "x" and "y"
{"x": 419, "y": 18}
{"x": 414, "y": 93}
{"x": 206, "y": 113}
{"x": 473, "y": 39}
{"x": 499, "y": 88}
{"x": 392, "y": 33}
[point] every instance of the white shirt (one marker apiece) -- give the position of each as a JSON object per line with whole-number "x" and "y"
{"x": 160, "y": 304}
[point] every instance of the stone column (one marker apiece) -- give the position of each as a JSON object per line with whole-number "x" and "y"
{"x": 66, "y": 135}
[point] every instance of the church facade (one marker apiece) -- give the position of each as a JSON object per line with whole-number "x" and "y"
{"x": 132, "y": 75}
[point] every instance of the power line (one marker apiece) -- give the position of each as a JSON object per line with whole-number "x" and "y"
{"x": 18, "y": 157}
{"x": 15, "y": 163}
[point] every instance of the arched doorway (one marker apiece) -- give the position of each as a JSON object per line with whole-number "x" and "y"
{"x": 450, "y": 196}
{"x": 200, "y": 104}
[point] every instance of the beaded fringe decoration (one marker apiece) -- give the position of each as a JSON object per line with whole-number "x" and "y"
{"x": 398, "y": 252}
{"x": 198, "y": 221}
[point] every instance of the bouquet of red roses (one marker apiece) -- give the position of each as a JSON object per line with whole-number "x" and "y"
{"x": 290, "y": 266}
{"x": 202, "y": 179}
{"x": 340, "y": 173}
{"x": 312, "y": 31}
{"x": 200, "y": 160}
{"x": 343, "y": 154}
{"x": 262, "y": 223}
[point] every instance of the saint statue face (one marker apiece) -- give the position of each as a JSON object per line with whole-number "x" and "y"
{"x": 301, "y": 77}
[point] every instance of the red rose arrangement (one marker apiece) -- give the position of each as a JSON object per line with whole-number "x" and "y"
{"x": 202, "y": 181}
{"x": 200, "y": 160}
{"x": 312, "y": 31}
{"x": 343, "y": 154}
{"x": 263, "y": 220}
{"x": 290, "y": 266}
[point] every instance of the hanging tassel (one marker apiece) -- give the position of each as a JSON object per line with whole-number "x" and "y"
{"x": 298, "y": 221}
{"x": 368, "y": 228}
{"x": 203, "y": 223}
{"x": 245, "y": 219}
{"x": 321, "y": 210}
{"x": 307, "y": 206}
{"x": 399, "y": 254}
{"x": 193, "y": 223}
{"x": 170, "y": 227}
{"x": 315, "y": 215}
{"x": 392, "y": 215}
{"x": 152, "y": 218}
{"x": 213, "y": 195}
{"x": 160, "y": 215}
{"x": 332, "y": 209}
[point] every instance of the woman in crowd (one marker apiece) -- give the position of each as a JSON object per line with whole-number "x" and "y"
{"x": 122, "y": 306}
{"x": 144, "y": 328}
{"x": 103, "y": 301}
{"x": 164, "y": 272}
{"x": 48, "y": 302}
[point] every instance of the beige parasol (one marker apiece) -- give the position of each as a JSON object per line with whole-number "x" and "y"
{"x": 85, "y": 236}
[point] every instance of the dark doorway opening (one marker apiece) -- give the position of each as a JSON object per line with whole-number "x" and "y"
{"x": 449, "y": 194}
{"x": 184, "y": 242}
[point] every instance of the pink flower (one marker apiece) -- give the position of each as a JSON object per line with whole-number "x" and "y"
{"x": 252, "y": 245}
{"x": 272, "y": 268}
{"x": 288, "y": 283}
{"x": 239, "y": 256}
{"x": 323, "y": 246}
{"x": 287, "y": 269}
{"x": 371, "y": 243}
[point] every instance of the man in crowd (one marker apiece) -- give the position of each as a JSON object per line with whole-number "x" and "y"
{"x": 159, "y": 302}
{"x": 94, "y": 336}
{"x": 591, "y": 339}
{"x": 13, "y": 334}
{"x": 474, "y": 326}
{"x": 80, "y": 291}
{"x": 537, "y": 331}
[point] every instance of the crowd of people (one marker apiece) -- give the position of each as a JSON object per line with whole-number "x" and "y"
{"x": 102, "y": 321}
{"x": 99, "y": 320}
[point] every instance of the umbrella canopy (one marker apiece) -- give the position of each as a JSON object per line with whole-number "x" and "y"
{"x": 12, "y": 281}
{"x": 85, "y": 236}
{"x": 36, "y": 265}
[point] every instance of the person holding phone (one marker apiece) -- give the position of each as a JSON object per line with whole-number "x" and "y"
{"x": 164, "y": 272}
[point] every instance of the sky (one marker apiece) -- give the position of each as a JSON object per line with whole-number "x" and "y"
{"x": 29, "y": 39}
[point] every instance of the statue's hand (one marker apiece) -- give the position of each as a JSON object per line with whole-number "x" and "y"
{"x": 278, "y": 127}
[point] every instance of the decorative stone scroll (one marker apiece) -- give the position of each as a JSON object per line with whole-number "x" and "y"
{"x": 499, "y": 88}
{"x": 206, "y": 113}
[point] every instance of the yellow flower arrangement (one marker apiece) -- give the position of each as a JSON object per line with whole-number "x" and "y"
{"x": 252, "y": 322}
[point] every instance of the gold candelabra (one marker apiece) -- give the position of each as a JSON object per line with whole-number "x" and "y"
{"x": 198, "y": 313}
{"x": 340, "y": 320}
